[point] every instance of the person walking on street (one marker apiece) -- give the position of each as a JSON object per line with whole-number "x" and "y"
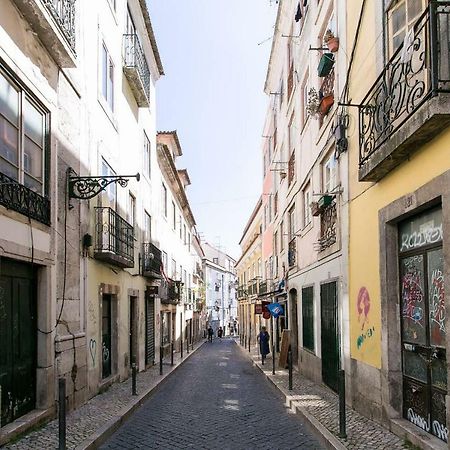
{"x": 263, "y": 339}
{"x": 210, "y": 333}
{"x": 220, "y": 332}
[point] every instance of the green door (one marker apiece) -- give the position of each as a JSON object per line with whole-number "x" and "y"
{"x": 17, "y": 340}
{"x": 329, "y": 339}
{"x": 106, "y": 335}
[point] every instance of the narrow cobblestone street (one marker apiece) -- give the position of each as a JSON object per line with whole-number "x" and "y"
{"x": 217, "y": 399}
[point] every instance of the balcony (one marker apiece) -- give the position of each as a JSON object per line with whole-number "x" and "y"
{"x": 253, "y": 288}
{"x": 292, "y": 252}
{"x": 114, "y": 238}
{"x": 170, "y": 292}
{"x": 54, "y": 23}
{"x": 151, "y": 260}
{"x": 409, "y": 104}
{"x": 136, "y": 69}
{"x": 242, "y": 292}
{"x": 17, "y": 197}
{"x": 328, "y": 226}
{"x": 263, "y": 287}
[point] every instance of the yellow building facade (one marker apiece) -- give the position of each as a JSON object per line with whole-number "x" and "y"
{"x": 398, "y": 108}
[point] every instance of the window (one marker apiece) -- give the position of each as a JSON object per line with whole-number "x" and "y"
{"x": 306, "y": 205}
{"x": 164, "y": 199}
{"x": 281, "y": 235}
{"x": 304, "y": 100}
{"x": 107, "y": 74}
{"x": 401, "y": 18}
{"x": 275, "y": 204}
{"x": 292, "y": 132}
{"x": 308, "y": 317}
{"x": 174, "y": 216}
{"x": 189, "y": 241}
{"x": 181, "y": 228}
{"x": 185, "y": 234}
{"x": 329, "y": 168}
{"x": 291, "y": 217}
{"x": 147, "y": 155}
{"x": 23, "y": 137}
{"x": 164, "y": 261}
{"x": 216, "y": 260}
{"x": 291, "y": 167}
{"x": 174, "y": 269}
{"x": 109, "y": 194}
{"x": 131, "y": 213}
{"x": 147, "y": 227}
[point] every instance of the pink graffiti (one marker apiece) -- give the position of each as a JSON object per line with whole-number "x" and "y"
{"x": 412, "y": 295}
{"x": 363, "y": 306}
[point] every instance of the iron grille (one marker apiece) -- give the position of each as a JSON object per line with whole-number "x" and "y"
{"x": 328, "y": 226}
{"x": 410, "y": 78}
{"x": 151, "y": 260}
{"x": 114, "y": 234}
{"x": 63, "y": 12}
{"x": 18, "y": 197}
{"x": 134, "y": 58}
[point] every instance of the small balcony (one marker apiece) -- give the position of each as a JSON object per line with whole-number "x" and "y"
{"x": 136, "y": 69}
{"x": 54, "y": 23}
{"x": 114, "y": 238}
{"x": 151, "y": 260}
{"x": 17, "y": 197}
{"x": 170, "y": 292}
{"x": 292, "y": 252}
{"x": 263, "y": 287}
{"x": 409, "y": 104}
{"x": 253, "y": 288}
{"x": 328, "y": 226}
{"x": 242, "y": 292}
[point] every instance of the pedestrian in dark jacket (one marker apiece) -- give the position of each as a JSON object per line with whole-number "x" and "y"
{"x": 263, "y": 339}
{"x": 220, "y": 332}
{"x": 210, "y": 333}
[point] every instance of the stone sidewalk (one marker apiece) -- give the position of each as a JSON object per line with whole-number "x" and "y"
{"x": 89, "y": 425}
{"x": 319, "y": 406}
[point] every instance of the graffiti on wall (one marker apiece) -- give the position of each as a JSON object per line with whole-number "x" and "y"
{"x": 363, "y": 308}
{"x": 429, "y": 235}
{"x": 437, "y": 306}
{"x": 93, "y": 350}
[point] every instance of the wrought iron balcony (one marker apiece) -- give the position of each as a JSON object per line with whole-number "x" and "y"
{"x": 253, "y": 288}
{"x": 54, "y": 23}
{"x": 328, "y": 226}
{"x": 136, "y": 69}
{"x": 17, "y": 197}
{"x": 114, "y": 238}
{"x": 151, "y": 260}
{"x": 242, "y": 291}
{"x": 292, "y": 252}
{"x": 263, "y": 287}
{"x": 170, "y": 292}
{"x": 409, "y": 103}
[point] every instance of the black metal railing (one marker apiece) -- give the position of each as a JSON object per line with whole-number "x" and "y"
{"x": 174, "y": 290}
{"x": 328, "y": 226}
{"x": 63, "y": 12}
{"x": 292, "y": 252}
{"x": 411, "y": 77}
{"x": 151, "y": 259}
{"x": 17, "y": 197}
{"x": 253, "y": 288}
{"x": 263, "y": 287}
{"x": 134, "y": 58}
{"x": 114, "y": 234}
{"x": 242, "y": 291}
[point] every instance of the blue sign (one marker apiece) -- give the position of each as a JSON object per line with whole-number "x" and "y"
{"x": 275, "y": 309}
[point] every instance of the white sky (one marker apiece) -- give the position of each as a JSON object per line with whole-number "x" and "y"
{"x": 212, "y": 94}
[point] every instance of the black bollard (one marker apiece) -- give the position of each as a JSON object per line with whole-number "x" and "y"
{"x": 342, "y": 412}
{"x": 62, "y": 413}
{"x": 181, "y": 346}
{"x": 187, "y": 346}
{"x": 249, "y": 339}
{"x": 171, "y": 354}
{"x": 161, "y": 360}
{"x": 290, "y": 367}
{"x": 133, "y": 379}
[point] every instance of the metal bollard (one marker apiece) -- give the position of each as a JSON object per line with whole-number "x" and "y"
{"x": 62, "y": 413}
{"x": 187, "y": 346}
{"x": 161, "y": 360}
{"x": 342, "y": 412}
{"x": 181, "y": 346}
{"x": 290, "y": 367}
{"x": 249, "y": 341}
{"x": 171, "y": 354}
{"x": 133, "y": 379}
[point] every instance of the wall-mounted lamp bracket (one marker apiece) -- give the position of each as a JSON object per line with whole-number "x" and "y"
{"x": 318, "y": 48}
{"x": 85, "y": 188}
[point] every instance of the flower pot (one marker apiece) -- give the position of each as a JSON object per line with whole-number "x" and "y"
{"x": 315, "y": 209}
{"x": 326, "y": 103}
{"x": 333, "y": 44}
{"x": 326, "y": 63}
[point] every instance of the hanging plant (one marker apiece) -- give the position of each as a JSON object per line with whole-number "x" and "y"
{"x": 312, "y": 107}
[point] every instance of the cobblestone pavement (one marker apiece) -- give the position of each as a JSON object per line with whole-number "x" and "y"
{"x": 84, "y": 422}
{"x": 323, "y": 405}
{"x": 216, "y": 400}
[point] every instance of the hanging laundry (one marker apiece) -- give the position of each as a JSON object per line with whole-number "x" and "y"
{"x": 298, "y": 14}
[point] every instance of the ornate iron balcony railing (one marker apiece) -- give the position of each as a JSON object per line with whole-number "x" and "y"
{"x": 292, "y": 252}
{"x": 115, "y": 238}
{"x": 263, "y": 287}
{"x": 18, "y": 197}
{"x": 151, "y": 260}
{"x": 328, "y": 226}
{"x": 63, "y": 12}
{"x": 411, "y": 77}
{"x": 134, "y": 58}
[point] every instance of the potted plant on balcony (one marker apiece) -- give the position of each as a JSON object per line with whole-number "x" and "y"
{"x": 312, "y": 107}
{"x": 315, "y": 208}
{"x": 326, "y": 63}
{"x": 325, "y": 201}
{"x": 331, "y": 41}
{"x": 326, "y": 103}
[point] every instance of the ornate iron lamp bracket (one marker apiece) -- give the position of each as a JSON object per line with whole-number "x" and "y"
{"x": 86, "y": 188}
